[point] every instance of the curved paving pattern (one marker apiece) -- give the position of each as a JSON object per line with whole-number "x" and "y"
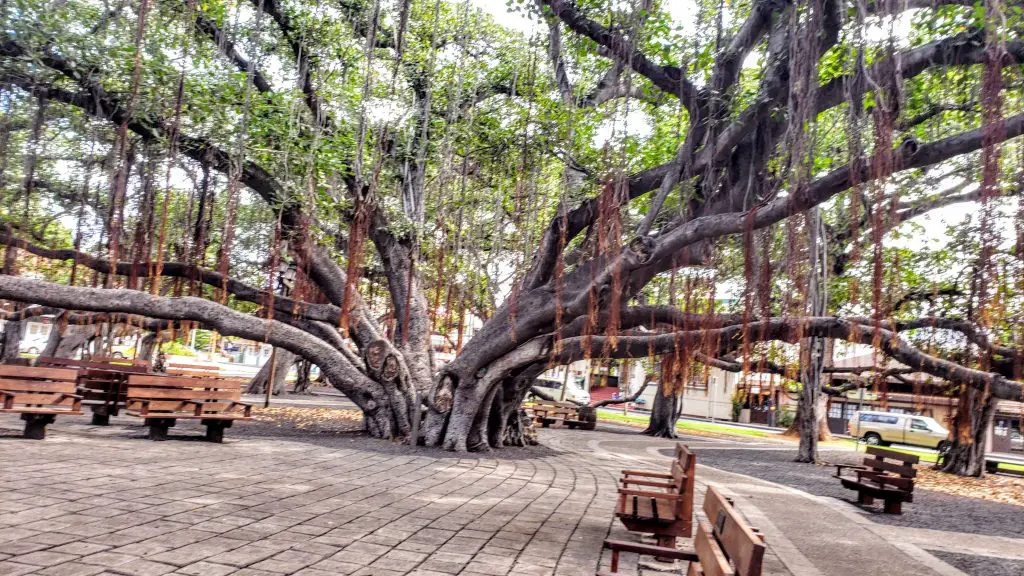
{"x": 90, "y": 501}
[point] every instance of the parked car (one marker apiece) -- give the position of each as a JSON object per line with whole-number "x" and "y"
{"x": 885, "y": 428}
{"x": 1016, "y": 441}
{"x": 574, "y": 392}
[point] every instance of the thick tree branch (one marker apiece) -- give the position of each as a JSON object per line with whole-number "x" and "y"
{"x": 790, "y": 330}
{"x": 366, "y": 393}
{"x": 210, "y": 28}
{"x": 668, "y": 78}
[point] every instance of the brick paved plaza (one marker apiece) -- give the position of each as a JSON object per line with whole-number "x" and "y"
{"x": 89, "y": 501}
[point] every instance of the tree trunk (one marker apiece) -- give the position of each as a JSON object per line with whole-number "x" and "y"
{"x": 282, "y": 363}
{"x": 664, "y": 414}
{"x": 302, "y": 380}
{"x": 53, "y": 339}
{"x": 12, "y": 341}
{"x": 146, "y": 344}
{"x": 971, "y": 424}
{"x": 812, "y": 356}
{"x": 74, "y": 337}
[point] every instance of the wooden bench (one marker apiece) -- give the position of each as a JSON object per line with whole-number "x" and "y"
{"x": 120, "y": 364}
{"x": 145, "y": 365}
{"x": 39, "y": 395}
{"x": 193, "y": 370}
{"x": 662, "y": 502}
{"x": 555, "y": 414}
{"x": 103, "y": 384}
{"x": 724, "y": 545}
{"x": 162, "y": 400}
{"x": 885, "y": 474}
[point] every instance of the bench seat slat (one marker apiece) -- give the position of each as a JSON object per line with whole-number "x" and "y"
{"x": 45, "y": 399}
{"x": 191, "y": 415}
{"x": 66, "y": 409}
{"x": 181, "y": 394}
{"x": 183, "y": 382}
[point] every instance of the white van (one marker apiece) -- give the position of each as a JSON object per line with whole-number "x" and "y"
{"x": 884, "y": 428}
{"x": 575, "y": 391}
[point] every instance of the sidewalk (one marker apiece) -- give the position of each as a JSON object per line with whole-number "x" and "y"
{"x": 90, "y": 501}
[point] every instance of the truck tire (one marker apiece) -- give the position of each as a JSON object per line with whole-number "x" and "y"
{"x": 873, "y": 439}
{"x": 944, "y": 446}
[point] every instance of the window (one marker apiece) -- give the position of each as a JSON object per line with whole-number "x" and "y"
{"x": 697, "y": 382}
{"x": 835, "y": 410}
{"x": 918, "y": 425}
{"x": 881, "y": 419}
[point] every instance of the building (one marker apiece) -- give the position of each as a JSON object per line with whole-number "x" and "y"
{"x": 716, "y": 394}
{"x": 919, "y": 394}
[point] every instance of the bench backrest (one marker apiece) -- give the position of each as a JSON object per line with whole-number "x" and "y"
{"x": 882, "y": 460}
{"x": 32, "y": 386}
{"x": 168, "y": 393}
{"x": 114, "y": 364}
{"x": 726, "y": 545}
{"x": 122, "y": 361}
{"x": 192, "y": 369}
{"x": 890, "y": 468}
{"x": 684, "y": 471}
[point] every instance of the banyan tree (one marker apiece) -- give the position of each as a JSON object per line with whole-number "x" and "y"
{"x": 348, "y": 180}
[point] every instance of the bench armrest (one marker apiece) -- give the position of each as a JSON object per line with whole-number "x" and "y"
{"x": 143, "y": 408}
{"x": 655, "y": 495}
{"x": 840, "y": 467}
{"x": 646, "y": 473}
{"x": 627, "y": 481}
{"x": 76, "y": 400}
{"x": 649, "y": 550}
{"x": 246, "y": 408}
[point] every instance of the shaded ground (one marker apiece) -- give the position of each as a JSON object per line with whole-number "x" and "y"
{"x": 300, "y": 492}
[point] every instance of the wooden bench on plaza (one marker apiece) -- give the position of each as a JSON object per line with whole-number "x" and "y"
{"x": 39, "y": 395}
{"x": 102, "y": 383}
{"x": 193, "y": 370}
{"x": 162, "y": 400}
{"x": 724, "y": 545}
{"x": 555, "y": 414}
{"x": 662, "y": 502}
{"x": 885, "y": 474}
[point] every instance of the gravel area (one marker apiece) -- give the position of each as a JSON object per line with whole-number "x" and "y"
{"x": 987, "y": 565}
{"x": 929, "y": 509}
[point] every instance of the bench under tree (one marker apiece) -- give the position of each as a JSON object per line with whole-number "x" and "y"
{"x": 162, "y": 400}
{"x": 103, "y": 384}
{"x": 660, "y": 503}
{"x": 885, "y": 474}
{"x": 39, "y": 395}
{"x": 724, "y": 544}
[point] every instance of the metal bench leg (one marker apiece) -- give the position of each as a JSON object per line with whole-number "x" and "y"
{"x": 35, "y": 425}
{"x": 100, "y": 416}
{"x": 215, "y": 429}
{"x": 158, "y": 428}
{"x": 894, "y": 506}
